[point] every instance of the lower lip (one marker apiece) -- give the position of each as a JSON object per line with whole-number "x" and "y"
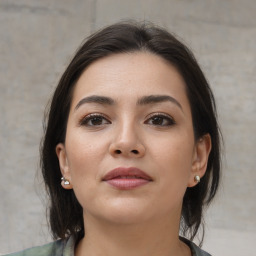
{"x": 127, "y": 184}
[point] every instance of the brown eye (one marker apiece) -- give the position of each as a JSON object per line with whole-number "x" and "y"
{"x": 160, "y": 120}
{"x": 94, "y": 120}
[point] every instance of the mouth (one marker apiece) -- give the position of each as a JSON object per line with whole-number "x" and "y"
{"x": 127, "y": 178}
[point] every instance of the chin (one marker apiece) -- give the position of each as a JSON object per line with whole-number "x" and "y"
{"x": 121, "y": 218}
{"x": 126, "y": 212}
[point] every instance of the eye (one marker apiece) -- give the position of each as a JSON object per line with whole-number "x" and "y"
{"x": 94, "y": 120}
{"x": 160, "y": 120}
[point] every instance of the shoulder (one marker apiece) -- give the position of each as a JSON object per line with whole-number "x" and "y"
{"x": 54, "y": 248}
{"x": 57, "y": 248}
{"x": 196, "y": 251}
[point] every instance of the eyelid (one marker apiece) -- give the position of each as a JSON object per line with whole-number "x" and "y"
{"x": 91, "y": 115}
{"x": 161, "y": 114}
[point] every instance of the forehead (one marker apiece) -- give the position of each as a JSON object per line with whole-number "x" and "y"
{"x": 128, "y": 76}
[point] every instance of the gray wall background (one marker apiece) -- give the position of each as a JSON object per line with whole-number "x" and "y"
{"x": 37, "y": 40}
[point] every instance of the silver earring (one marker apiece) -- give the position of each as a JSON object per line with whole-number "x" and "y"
{"x": 197, "y": 178}
{"x": 66, "y": 182}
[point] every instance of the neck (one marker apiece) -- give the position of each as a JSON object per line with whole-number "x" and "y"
{"x": 144, "y": 239}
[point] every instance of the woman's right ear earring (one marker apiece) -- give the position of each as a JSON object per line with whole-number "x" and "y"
{"x": 66, "y": 182}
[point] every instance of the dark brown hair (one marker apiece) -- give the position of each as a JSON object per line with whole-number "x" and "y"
{"x": 65, "y": 213}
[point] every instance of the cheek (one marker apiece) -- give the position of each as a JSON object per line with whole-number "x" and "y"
{"x": 82, "y": 150}
{"x": 174, "y": 168}
{"x": 177, "y": 148}
{"x": 84, "y": 154}
{"x": 174, "y": 158}
{"x": 84, "y": 163}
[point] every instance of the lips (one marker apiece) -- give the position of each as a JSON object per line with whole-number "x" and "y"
{"x": 127, "y": 178}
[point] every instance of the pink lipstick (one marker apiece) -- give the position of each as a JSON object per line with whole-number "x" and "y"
{"x": 127, "y": 178}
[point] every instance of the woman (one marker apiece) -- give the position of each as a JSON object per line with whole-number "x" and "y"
{"x": 131, "y": 152}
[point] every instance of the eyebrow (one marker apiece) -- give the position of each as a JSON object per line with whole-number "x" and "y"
{"x": 151, "y": 99}
{"x": 95, "y": 99}
{"x": 145, "y": 100}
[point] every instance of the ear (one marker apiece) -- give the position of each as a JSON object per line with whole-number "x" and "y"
{"x": 200, "y": 159}
{"x": 64, "y": 166}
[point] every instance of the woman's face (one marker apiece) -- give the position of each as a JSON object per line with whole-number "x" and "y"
{"x": 130, "y": 151}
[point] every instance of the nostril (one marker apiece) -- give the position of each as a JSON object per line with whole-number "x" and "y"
{"x": 119, "y": 152}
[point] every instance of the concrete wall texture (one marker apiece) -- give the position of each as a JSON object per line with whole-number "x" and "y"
{"x": 37, "y": 40}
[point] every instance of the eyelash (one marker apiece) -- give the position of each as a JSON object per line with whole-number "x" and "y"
{"x": 85, "y": 120}
{"x": 161, "y": 116}
{"x": 100, "y": 117}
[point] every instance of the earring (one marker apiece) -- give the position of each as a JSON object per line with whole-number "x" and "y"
{"x": 197, "y": 178}
{"x": 66, "y": 182}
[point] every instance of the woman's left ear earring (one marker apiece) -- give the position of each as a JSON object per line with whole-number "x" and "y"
{"x": 197, "y": 179}
{"x": 65, "y": 181}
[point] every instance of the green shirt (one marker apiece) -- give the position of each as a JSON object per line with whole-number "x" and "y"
{"x": 67, "y": 247}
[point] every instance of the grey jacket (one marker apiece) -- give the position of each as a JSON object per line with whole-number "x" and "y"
{"x": 66, "y": 248}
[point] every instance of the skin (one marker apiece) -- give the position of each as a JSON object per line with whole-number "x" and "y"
{"x": 156, "y": 137}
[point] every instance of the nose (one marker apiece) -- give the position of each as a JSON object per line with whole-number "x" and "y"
{"x": 127, "y": 143}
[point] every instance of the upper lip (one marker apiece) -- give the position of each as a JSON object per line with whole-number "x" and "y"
{"x": 124, "y": 171}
